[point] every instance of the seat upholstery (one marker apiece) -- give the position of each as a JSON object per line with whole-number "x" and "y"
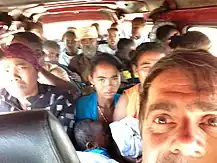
{"x": 34, "y": 137}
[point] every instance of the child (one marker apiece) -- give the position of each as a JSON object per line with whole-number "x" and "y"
{"x": 92, "y": 138}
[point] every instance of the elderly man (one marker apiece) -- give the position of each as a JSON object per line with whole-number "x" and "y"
{"x": 88, "y": 44}
{"x": 178, "y": 111}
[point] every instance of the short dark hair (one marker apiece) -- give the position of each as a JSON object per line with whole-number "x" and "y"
{"x": 68, "y": 33}
{"x": 147, "y": 47}
{"x": 84, "y": 132}
{"x": 139, "y": 20}
{"x": 200, "y": 64}
{"x": 192, "y": 40}
{"x": 32, "y": 39}
{"x": 33, "y": 25}
{"x": 105, "y": 58}
{"x": 51, "y": 44}
{"x": 112, "y": 29}
{"x": 163, "y": 32}
{"x": 124, "y": 42}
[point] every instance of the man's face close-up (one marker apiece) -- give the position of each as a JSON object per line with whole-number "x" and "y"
{"x": 19, "y": 77}
{"x": 179, "y": 124}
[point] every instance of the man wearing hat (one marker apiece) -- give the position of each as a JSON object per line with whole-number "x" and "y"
{"x": 88, "y": 44}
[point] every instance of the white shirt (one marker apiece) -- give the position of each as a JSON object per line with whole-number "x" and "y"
{"x": 64, "y": 59}
{"x": 104, "y": 48}
{"x": 129, "y": 142}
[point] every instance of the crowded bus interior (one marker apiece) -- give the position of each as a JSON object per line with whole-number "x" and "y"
{"x": 108, "y": 81}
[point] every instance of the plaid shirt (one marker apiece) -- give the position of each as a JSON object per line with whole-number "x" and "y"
{"x": 59, "y": 102}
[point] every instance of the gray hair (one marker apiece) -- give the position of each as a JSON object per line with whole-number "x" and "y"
{"x": 201, "y": 65}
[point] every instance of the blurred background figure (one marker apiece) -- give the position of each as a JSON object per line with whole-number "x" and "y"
{"x": 70, "y": 48}
{"x": 165, "y": 33}
{"x": 111, "y": 46}
{"x": 138, "y": 36}
{"x": 191, "y": 40}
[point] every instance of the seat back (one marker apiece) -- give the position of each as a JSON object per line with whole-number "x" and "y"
{"x": 34, "y": 137}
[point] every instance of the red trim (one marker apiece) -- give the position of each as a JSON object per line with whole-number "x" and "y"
{"x": 80, "y": 8}
{"x": 72, "y": 17}
{"x": 206, "y": 15}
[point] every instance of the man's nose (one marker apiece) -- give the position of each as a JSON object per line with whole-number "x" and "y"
{"x": 188, "y": 142}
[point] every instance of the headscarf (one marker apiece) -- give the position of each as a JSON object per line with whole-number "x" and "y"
{"x": 21, "y": 51}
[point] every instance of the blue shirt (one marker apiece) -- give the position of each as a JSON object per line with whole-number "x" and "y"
{"x": 86, "y": 106}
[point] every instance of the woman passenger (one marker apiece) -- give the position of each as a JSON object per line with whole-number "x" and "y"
{"x": 105, "y": 78}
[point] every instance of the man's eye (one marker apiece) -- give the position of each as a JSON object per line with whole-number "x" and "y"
{"x": 161, "y": 120}
{"x": 212, "y": 121}
{"x": 101, "y": 80}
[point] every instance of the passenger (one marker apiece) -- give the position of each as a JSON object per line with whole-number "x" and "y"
{"x": 29, "y": 39}
{"x": 88, "y": 43}
{"x": 164, "y": 34}
{"x": 111, "y": 46}
{"x": 105, "y": 77}
{"x": 147, "y": 54}
{"x": 71, "y": 48}
{"x": 191, "y": 40}
{"x": 52, "y": 50}
{"x": 125, "y": 46}
{"x": 35, "y": 43}
{"x": 36, "y": 28}
{"x": 19, "y": 66}
{"x": 138, "y": 36}
{"x": 50, "y": 63}
{"x": 96, "y": 25}
{"x": 93, "y": 139}
{"x": 178, "y": 109}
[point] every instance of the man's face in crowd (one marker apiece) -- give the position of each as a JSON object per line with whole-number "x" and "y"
{"x": 180, "y": 120}
{"x": 51, "y": 53}
{"x": 137, "y": 29}
{"x": 70, "y": 43}
{"x": 113, "y": 38}
{"x": 19, "y": 77}
{"x": 89, "y": 46}
{"x": 145, "y": 62}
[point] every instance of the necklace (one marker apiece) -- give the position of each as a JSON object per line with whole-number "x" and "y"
{"x": 101, "y": 113}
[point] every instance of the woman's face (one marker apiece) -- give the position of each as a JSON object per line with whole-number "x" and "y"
{"x": 106, "y": 80}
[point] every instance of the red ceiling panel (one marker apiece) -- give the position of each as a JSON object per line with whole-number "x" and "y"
{"x": 72, "y": 16}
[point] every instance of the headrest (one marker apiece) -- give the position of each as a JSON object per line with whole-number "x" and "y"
{"x": 34, "y": 137}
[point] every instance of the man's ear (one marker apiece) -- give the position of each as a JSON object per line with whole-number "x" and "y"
{"x": 89, "y": 145}
{"x": 90, "y": 78}
{"x": 135, "y": 71}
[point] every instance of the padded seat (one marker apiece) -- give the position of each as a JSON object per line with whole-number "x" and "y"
{"x": 34, "y": 137}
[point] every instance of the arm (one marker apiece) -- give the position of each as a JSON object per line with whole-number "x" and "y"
{"x": 51, "y": 79}
{"x": 121, "y": 108}
{"x": 64, "y": 109}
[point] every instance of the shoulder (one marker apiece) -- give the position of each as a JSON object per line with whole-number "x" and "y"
{"x": 135, "y": 88}
{"x": 86, "y": 99}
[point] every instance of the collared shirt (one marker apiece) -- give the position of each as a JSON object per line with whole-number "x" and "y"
{"x": 105, "y": 48}
{"x": 64, "y": 58}
{"x": 60, "y": 102}
{"x": 141, "y": 40}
